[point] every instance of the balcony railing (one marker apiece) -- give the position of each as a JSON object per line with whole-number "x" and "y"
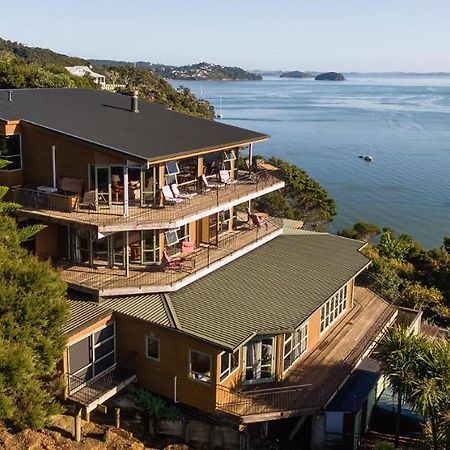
{"x": 151, "y": 278}
{"x": 72, "y": 207}
{"x": 293, "y": 399}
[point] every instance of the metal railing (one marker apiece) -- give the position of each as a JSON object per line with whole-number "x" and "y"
{"x": 100, "y": 277}
{"x": 303, "y": 397}
{"x": 101, "y": 213}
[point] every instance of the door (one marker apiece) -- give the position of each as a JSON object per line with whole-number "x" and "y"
{"x": 149, "y": 246}
{"x": 209, "y": 230}
{"x": 101, "y": 178}
{"x": 259, "y": 360}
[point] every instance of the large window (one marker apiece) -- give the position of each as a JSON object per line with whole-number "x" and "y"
{"x": 199, "y": 366}
{"x": 295, "y": 345}
{"x": 91, "y": 356}
{"x": 333, "y": 308}
{"x": 10, "y": 150}
{"x": 152, "y": 347}
{"x": 229, "y": 362}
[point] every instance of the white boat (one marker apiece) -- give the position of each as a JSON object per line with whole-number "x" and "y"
{"x": 368, "y": 158}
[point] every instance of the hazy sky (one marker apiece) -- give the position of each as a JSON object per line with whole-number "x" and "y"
{"x": 341, "y": 35}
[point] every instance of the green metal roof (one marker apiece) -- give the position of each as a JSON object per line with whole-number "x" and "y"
{"x": 82, "y": 315}
{"x": 271, "y": 289}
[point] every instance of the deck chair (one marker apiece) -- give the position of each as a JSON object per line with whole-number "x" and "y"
{"x": 225, "y": 178}
{"x": 176, "y": 263}
{"x": 88, "y": 200}
{"x": 177, "y": 194}
{"x": 168, "y": 195}
{"x": 208, "y": 184}
{"x": 257, "y": 220}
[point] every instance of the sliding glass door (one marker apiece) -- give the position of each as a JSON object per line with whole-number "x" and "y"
{"x": 260, "y": 360}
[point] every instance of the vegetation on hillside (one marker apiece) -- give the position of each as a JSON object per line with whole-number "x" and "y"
{"x": 418, "y": 371}
{"x": 33, "y": 309}
{"x": 155, "y": 88}
{"x": 403, "y": 270}
{"x": 303, "y": 198}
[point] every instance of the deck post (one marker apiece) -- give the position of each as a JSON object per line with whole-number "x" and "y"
{"x": 77, "y": 432}
{"x": 117, "y": 417}
{"x": 125, "y": 191}
{"x": 126, "y": 254}
{"x": 87, "y": 415}
{"x": 250, "y": 157}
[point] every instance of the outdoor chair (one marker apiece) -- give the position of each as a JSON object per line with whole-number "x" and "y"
{"x": 88, "y": 200}
{"x": 168, "y": 195}
{"x": 258, "y": 220}
{"x": 208, "y": 184}
{"x": 177, "y": 194}
{"x": 177, "y": 263}
{"x": 225, "y": 178}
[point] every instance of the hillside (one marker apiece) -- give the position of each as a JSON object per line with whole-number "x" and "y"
{"x": 22, "y": 67}
{"x": 298, "y": 74}
{"x": 199, "y": 71}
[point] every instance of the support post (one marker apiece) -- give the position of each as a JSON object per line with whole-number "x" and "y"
{"x": 54, "y": 165}
{"x": 77, "y": 432}
{"x": 250, "y": 156}
{"x": 87, "y": 415}
{"x": 125, "y": 191}
{"x": 126, "y": 254}
{"x": 117, "y": 417}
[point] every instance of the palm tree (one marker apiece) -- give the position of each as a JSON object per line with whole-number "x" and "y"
{"x": 397, "y": 352}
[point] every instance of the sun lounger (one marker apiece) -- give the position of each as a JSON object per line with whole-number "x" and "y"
{"x": 168, "y": 195}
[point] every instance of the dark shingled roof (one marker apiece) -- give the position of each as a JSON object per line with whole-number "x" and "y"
{"x": 271, "y": 289}
{"x": 105, "y": 118}
{"x": 84, "y": 314}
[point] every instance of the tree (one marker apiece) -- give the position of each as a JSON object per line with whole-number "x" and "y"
{"x": 393, "y": 248}
{"x": 362, "y": 231}
{"x": 33, "y": 309}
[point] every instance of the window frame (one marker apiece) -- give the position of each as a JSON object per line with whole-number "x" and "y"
{"x": 224, "y": 374}
{"x": 168, "y": 172}
{"x": 192, "y": 372}
{"x": 5, "y": 157}
{"x": 152, "y": 336}
{"x": 333, "y": 308}
{"x": 298, "y": 340}
{"x": 229, "y": 155}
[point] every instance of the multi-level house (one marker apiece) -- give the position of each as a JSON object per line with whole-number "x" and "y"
{"x": 176, "y": 282}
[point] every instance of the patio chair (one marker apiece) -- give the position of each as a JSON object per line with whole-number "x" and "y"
{"x": 177, "y": 194}
{"x": 208, "y": 184}
{"x": 168, "y": 195}
{"x": 225, "y": 178}
{"x": 176, "y": 263}
{"x": 88, "y": 200}
{"x": 257, "y": 220}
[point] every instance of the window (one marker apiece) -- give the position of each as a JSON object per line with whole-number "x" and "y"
{"x": 199, "y": 366}
{"x": 224, "y": 220}
{"x": 229, "y": 362}
{"x": 295, "y": 345}
{"x": 172, "y": 168}
{"x": 152, "y": 347}
{"x": 150, "y": 246}
{"x": 11, "y": 150}
{"x": 175, "y": 239}
{"x": 333, "y": 308}
{"x": 229, "y": 156}
{"x": 91, "y": 356}
{"x": 171, "y": 237}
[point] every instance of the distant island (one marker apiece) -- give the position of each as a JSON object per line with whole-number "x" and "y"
{"x": 330, "y": 76}
{"x": 298, "y": 74}
{"x": 199, "y": 71}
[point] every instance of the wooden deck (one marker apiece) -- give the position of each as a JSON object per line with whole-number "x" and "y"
{"x": 145, "y": 279}
{"x": 314, "y": 380}
{"x": 59, "y": 208}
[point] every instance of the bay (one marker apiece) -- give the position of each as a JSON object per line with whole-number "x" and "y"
{"x": 402, "y": 121}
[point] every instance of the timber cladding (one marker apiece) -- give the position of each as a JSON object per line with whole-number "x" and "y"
{"x": 159, "y": 376}
{"x": 72, "y": 156}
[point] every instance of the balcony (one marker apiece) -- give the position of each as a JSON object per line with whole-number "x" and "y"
{"x": 106, "y": 281}
{"x": 311, "y": 384}
{"x": 94, "y": 392}
{"x": 110, "y": 218}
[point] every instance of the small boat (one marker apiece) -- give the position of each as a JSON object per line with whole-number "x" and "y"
{"x": 368, "y": 158}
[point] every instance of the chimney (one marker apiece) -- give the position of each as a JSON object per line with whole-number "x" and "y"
{"x": 134, "y": 102}
{"x": 9, "y": 96}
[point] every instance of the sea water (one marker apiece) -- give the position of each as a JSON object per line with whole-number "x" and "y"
{"x": 402, "y": 121}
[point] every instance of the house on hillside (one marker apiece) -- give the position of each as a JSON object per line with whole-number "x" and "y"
{"x": 177, "y": 284}
{"x": 85, "y": 71}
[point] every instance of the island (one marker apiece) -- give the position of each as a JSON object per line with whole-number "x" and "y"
{"x": 297, "y": 74}
{"x": 330, "y": 76}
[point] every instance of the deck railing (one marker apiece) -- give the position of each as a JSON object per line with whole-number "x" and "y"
{"x": 101, "y": 213}
{"x": 306, "y": 398}
{"x": 100, "y": 277}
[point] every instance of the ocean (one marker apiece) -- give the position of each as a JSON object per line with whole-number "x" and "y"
{"x": 402, "y": 121}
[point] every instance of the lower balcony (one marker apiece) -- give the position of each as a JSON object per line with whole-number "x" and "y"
{"x": 99, "y": 279}
{"x": 94, "y": 392}
{"x": 311, "y": 384}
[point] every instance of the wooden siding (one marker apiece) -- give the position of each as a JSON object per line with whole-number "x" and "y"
{"x": 52, "y": 241}
{"x": 158, "y": 376}
{"x": 72, "y": 156}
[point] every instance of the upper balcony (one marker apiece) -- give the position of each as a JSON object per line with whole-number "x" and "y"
{"x": 313, "y": 381}
{"x": 113, "y": 214}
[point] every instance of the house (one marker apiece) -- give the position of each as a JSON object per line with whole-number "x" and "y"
{"x": 236, "y": 314}
{"x": 85, "y": 71}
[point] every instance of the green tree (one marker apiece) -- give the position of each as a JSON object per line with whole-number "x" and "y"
{"x": 393, "y": 248}
{"x": 33, "y": 309}
{"x": 362, "y": 231}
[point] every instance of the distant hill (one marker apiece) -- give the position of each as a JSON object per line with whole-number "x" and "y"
{"x": 39, "y": 55}
{"x": 199, "y": 71}
{"x": 298, "y": 74}
{"x": 330, "y": 76}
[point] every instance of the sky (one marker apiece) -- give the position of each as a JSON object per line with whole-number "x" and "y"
{"x": 322, "y": 35}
